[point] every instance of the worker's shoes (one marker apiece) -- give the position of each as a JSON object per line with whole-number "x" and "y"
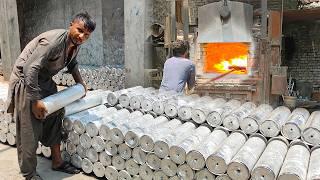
{"x": 67, "y": 168}
{"x": 35, "y": 177}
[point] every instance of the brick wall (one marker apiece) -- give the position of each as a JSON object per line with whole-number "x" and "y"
{"x": 302, "y": 51}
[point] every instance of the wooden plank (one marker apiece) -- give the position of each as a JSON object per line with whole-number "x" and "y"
{"x": 9, "y": 35}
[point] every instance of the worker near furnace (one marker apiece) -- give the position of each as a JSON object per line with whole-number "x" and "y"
{"x": 178, "y": 70}
{"x": 31, "y": 81}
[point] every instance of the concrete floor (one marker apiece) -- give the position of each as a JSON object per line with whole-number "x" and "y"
{"x": 9, "y": 169}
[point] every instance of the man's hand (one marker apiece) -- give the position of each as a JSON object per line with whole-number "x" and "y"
{"x": 38, "y": 109}
{"x": 85, "y": 88}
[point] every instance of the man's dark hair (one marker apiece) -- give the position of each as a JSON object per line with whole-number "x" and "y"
{"x": 179, "y": 48}
{"x": 89, "y": 23}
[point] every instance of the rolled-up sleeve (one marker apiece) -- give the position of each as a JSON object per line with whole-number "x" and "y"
{"x": 31, "y": 69}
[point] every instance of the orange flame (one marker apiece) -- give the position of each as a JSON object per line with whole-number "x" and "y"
{"x": 219, "y": 57}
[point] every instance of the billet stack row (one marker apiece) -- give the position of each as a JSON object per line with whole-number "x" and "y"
{"x": 139, "y": 146}
{"x": 217, "y": 112}
{"x": 103, "y": 77}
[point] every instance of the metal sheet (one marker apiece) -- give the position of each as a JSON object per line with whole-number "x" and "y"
{"x": 236, "y": 29}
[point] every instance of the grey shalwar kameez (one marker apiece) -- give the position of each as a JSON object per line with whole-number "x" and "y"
{"x": 31, "y": 80}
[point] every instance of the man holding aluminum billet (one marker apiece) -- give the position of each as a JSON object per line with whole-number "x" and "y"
{"x": 31, "y": 81}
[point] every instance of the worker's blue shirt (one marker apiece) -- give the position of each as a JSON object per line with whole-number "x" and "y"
{"x": 177, "y": 72}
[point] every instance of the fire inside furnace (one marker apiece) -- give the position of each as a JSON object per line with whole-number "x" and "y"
{"x": 223, "y": 57}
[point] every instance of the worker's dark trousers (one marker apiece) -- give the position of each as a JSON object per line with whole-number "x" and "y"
{"x": 31, "y": 130}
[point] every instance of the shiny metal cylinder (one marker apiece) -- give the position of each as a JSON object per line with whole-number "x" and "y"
{"x": 63, "y": 98}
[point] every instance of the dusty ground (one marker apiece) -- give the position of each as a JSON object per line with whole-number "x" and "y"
{"x": 9, "y": 169}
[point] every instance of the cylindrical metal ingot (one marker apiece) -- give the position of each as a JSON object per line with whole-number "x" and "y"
{"x": 123, "y": 119}
{"x": 196, "y": 158}
{"x": 218, "y": 162}
{"x": 74, "y": 137}
{"x": 132, "y": 167}
{"x": 76, "y": 161}
{"x": 12, "y": 128}
{"x": 185, "y": 172}
{"x": 113, "y": 97}
{"x": 111, "y": 148}
{"x": 158, "y": 106}
{"x": 3, "y": 136}
{"x": 63, "y": 98}
{"x": 223, "y": 177}
{"x": 311, "y": 133}
{"x": 125, "y": 151}
{"x": 4, "y": 126}
{"x": 272, "y": 126}
{"x": 178, "y": 152}
{"x": 98, "y": 143}
{"x": 185, "y": 107}
{"x": 8, "y": 118}
{"x": 314, "y": 164}
{"x": 200, "y": 113}
{"x": 93, "y": 127}
{"x": 146, "y": 103}
{"x": 139, "y": 156}
{"x": 38, "y": 151}
{"x": 169, "y": 167}
{"x": 71, "y": 148}
{"x": 295, "y": 124}
{"x": 118, "y": 162}
{"x": 133, "y": 135}
{"x": 250, "y": 124}
{"x": 147, "y": 140}
{"x": 92, "y": 155}
{"x": 174, "y": 178}
{"x": 135, "y": 101}
{"x": 98, "y": 169}
{"x": 86, "y": 165}
{"x": 161, "y": 146}
{"x": 245, "y": 159}
{"x": 104, "y": 132}
{"x": 111, "y": 173}
{"x": 270, "y": 162}
{"x": 172, "y": 105}
{"x": 153, "y": 161}
{"x": 85, "y": 141}
{"x": 124, "y": 99}
{"x": 81, "y": 151}
{"x": 117, "y": 134}
{"x": 67, "y": 124}
{"x": 204, "y": 174}
{"x": 295, "y": 165}
{"x": 123, "y": 174}
{"x": 137, "y": 98}
{"x": 83, "y": 117}
{"x": 65, "y": 156}
{"x": 159, "y": 175}
{"x": 215, "y": 117}
{"x": 232, "y": 121}
{"x": 104, "y": 158}
{"x": 92, "y": 99}
{"x": 46, "y": 151}
{"x": 145, "y": 172}
{"x": 11, "y": 139}
{"x": 171, "y": 108}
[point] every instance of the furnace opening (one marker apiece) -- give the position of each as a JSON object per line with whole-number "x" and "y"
{"x": 223, "y": 57}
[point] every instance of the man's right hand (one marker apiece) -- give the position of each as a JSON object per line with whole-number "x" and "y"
{"x": 38, "y": 109}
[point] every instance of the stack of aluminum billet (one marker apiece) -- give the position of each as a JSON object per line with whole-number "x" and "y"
{"x": 7, "y": 124}
{"x": 102, "y": 77}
